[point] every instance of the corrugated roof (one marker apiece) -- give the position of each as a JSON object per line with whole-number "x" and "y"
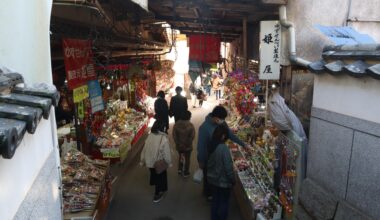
{"x": 345, "y": 35}
{"x": 355, "y": 60}
{"x": 21, "y": 109}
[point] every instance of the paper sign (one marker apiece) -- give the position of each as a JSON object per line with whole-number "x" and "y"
{"x": 270, "y": 38}
{"x": 80, "y": 93}
{"x": 96, "y": 98}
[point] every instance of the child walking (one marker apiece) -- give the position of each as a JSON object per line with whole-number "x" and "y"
{"x": 183, "y": 135}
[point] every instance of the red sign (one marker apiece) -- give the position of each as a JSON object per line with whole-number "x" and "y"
{"x": 204, "y": 47}
{"x": 78, "y": 62}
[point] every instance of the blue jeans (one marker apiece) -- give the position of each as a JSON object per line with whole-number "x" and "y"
{"x": 217, "y": 93}
{"x": 208, "y": 89}
{"x": 220, "y": 203}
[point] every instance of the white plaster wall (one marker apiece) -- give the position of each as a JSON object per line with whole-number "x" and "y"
{"x": 305, "y": 14}
{"x": 25, "y": 47}
{"x": 350, "y": 96}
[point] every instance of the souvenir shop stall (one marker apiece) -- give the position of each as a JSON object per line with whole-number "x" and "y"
{"x": 126, "y": 115}
{"x": 270, "y": 172}
{"x": 103, "y": 113}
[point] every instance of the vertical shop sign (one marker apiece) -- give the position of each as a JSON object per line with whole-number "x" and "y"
{"x": 79, "y": 62}
{"x": 270, "y": 38}
{"x": 96, "y": 98}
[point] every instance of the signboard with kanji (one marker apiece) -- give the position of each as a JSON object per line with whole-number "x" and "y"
{"x": 270, "y": 39}
{"x": 79, "y": 62}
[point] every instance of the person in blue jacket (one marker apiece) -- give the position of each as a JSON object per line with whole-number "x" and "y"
{"x": 205, "y": 132}
{"x": 220, "y": 173}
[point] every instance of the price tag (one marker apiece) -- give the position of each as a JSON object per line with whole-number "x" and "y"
{"x": 110, "y": 152}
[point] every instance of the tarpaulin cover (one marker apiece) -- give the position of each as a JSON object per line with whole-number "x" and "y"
{"x": 283, "y": 117}
{"x": 204, "y": 47}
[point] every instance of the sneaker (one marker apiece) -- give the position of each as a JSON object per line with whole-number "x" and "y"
{"x": 209, "y": 198}
{"x": 157, "y": 198}
{"x": 179, "y": 172}
{"x": 186, "y": 174}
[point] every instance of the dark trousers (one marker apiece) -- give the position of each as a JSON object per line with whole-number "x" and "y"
{"x": 160, "y": 181}
{"x": 206, "y": 186}
{"x": 185, "y": 163}
{"x": 220, "y": 203}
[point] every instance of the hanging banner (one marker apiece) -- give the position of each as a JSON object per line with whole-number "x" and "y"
{"x": 80, "y": 93}
{"x": 270, "y": 38}
{"x": 79, "y": 62}
{"x": 96, "y": 98}
{"x": 204, "y": 47}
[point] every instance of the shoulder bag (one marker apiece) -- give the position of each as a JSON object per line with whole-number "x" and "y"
{"x": 160, "y": 165}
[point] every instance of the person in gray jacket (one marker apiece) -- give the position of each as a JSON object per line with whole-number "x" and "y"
{"x": 220, "y": 173}
{"x": 183, "y": 135}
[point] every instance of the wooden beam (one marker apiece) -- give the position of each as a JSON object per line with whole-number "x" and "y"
{"x": 210, "y": 30}
{"x": 170, "y": 19}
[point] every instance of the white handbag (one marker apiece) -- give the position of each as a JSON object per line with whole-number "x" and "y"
{"x": 198, "y": 176}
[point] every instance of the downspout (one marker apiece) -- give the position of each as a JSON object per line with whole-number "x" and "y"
{"x": 292, "y": 39}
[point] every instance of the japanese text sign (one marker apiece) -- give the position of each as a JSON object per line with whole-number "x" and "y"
{"x": 80, "y": 93}
{"x": 95, "y": 96}
{"x": 78, "y": 62}
{"x": 270, "y": 39}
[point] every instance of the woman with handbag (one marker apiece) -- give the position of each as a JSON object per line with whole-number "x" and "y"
{"x": 156, "y": 156}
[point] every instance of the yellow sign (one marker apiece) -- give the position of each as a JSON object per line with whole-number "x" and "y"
{"x": 80, "y": 93}
{"x": 80, "y": 110}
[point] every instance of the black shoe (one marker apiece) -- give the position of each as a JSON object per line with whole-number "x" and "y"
{"x": 186, "y": 174}
{"x": 158, "y": 198}
{"x": 179, "y": 172}
{"x": 209, "y": 198}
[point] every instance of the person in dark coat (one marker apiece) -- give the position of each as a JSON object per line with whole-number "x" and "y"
{"x": 161, "y": 109}
{"x": 178, "y": 104}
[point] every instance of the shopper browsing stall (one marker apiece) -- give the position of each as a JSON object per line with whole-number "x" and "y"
{"x": 178, "y": 104}
{"x": 157, "y": 148}
{"x": 183, "y": 135}
{"x": 212, "y": 120}
{"x": 220, "y": 173}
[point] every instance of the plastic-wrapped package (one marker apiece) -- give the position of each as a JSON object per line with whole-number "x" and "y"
{"x": 282, "y": 116}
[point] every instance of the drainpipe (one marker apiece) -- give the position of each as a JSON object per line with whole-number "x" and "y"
{"x": 292, "y": 39}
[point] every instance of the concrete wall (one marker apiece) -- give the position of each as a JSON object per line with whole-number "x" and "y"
{"x": 305, "y": 14}
{"x": 25, "y": 47}
{"x": 343, "y": 159}
{"x": 350, "y": 96}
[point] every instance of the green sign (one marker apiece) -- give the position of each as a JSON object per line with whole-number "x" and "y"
{"x": 80, "y": 93}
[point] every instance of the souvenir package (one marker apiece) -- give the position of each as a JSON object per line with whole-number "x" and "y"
{"x": 82, "y": 179}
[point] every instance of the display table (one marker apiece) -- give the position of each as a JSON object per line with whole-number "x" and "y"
{"x": 86, "y": 186}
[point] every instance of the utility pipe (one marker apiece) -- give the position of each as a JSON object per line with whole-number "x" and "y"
{"x": 292, "y": 39}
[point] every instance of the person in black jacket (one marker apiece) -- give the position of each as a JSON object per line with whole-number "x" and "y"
{"x": 178, "y": 104}
{"x": 161, "y": 109}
